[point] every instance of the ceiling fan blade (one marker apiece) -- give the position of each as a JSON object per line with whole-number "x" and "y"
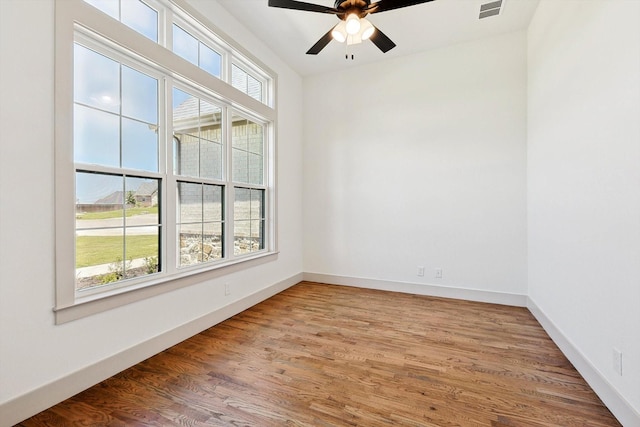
{"x": 385, "y": 5}
{"x": 320, "y": 44}
{"x": 381, "y": 40}
{"x": 299, "y": 5}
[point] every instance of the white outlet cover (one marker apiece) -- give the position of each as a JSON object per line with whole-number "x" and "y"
{"x": 617, "y": 361}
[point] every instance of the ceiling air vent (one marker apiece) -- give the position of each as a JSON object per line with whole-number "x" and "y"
{"x": 490, "y": 9}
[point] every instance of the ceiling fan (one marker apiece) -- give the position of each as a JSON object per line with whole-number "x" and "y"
{"x": 353, "y": 28}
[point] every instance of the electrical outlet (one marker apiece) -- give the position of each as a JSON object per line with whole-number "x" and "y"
{"x": 420, "y": 271}
{"x": 227, "y": 291}
{"x": 617, "y": 361}
{"x": 438, "y": 273}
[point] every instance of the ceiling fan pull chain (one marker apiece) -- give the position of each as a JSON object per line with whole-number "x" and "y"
{"x": 346, "y": 52}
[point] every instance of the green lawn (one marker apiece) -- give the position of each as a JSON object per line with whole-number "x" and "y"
{"x": 118, "y": 213}
{"x": 95, "y": 250}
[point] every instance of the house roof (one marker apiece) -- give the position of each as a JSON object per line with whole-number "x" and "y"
{"x": 148, "y": 188}
{"x": 115, "y": 198}
{"x": 190, "y": 109}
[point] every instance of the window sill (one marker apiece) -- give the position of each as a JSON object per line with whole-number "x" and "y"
{"x": 97, "y": 303}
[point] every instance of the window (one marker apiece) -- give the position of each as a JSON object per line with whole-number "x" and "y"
{"x": 118, "y": 224}
{"x": 164, "y": 172}
{"x": 248, "y": 177}
{"x": 198, "y": 160}
{"x": 135, "y": 14}
{"x": 196, "y": 52}
{"x": 247, "y": 83}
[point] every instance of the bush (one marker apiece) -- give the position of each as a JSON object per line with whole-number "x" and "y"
{"x": 116, "y": 271}
{"x": 151, "y": 264}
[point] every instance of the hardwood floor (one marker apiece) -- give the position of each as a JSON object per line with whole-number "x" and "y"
{"x": 322, "y": 355}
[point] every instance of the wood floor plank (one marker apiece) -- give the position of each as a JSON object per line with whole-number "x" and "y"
{"x": 324, "y": 355}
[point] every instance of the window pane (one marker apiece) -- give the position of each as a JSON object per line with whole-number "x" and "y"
{"x": 255, "y": 139}
{"x": 212, "y": 241}
{"x": 257, "y": 204}
{"x": 99, "y": 229}
{"x": 190, "y": 202}
{"x": 246, "y": 83}
{"x": 190, "y": 244}
{"x": 109, "y": 7}
{"x": 240, "y": 139}
{"x": 186, "y": 154}
{"x": 254, "y": 88}
{"x": 248, "y": 210}
{"x": 212, "y": 203}
{"x": 256, "y": 234}
{"x": 99, "y": 200}
{"x": 210, "y": 60}
{"x": 96, "y": 136}
{"x": 200, "y": 241}
{"x": 139, "y": 96}
{"x": 210, "y": 116}
{"x": 141, "y": 18}
{"x": 241, "y": 207}
{"x": 185, "y": 45}
{"x": 210, "y": 147}
{"x": 99, "y": 258}
{"x": 141, "y": 198}
{"x": 248, "y": 148}
{"x": 142, "y": 252}
{"x": 239, "y": 78}
{"x": 210, "y": 159}
{"x": 255, "y": 172}
{"x": 96, "y": 80}
{"x": 240, "y": 166}
{"x": 248, "y": 236}
{"x": 139, "y": 145}
{"x": 185, "y": 129}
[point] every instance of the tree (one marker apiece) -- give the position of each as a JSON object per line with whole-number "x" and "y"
{"x": 131, "y": 198}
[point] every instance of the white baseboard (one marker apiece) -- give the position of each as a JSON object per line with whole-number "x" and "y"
{"x": 29, "y": 404}
{"x": 492, "y": 297}
{"x": 618, "y": 406}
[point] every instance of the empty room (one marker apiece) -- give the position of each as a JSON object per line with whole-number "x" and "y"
{"x": 320, "y": 213}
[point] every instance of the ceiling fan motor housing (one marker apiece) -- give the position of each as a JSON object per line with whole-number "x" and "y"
{"x": 347, "y": 7}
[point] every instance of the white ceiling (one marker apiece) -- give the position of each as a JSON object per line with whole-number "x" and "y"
{"x": 290, "y": 33}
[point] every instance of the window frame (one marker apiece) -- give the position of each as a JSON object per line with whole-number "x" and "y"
{"x": 75, "y": 17}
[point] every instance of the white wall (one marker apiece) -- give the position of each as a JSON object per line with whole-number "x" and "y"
{"x": 420, "y": 161}
{"x": 584, "y": 181}
{"x": 33, "y": 351}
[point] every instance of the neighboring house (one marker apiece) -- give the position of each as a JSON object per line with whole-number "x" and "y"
{"x": 115, "y": 198}
{"x": 147, "y": 194}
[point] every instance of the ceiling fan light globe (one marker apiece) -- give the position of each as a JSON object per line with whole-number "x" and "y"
{"x": 339, "y": 32}
{"x": 366, "y": 29}
{"x": 338, "y": 36}
{"x": 352, "y": 24}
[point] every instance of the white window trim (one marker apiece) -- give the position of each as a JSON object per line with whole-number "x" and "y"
{"x": 71, "y": 13}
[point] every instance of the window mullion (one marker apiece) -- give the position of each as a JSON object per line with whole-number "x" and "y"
{"x": 170, "y": 261}
{"x": 229, "y": 193}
